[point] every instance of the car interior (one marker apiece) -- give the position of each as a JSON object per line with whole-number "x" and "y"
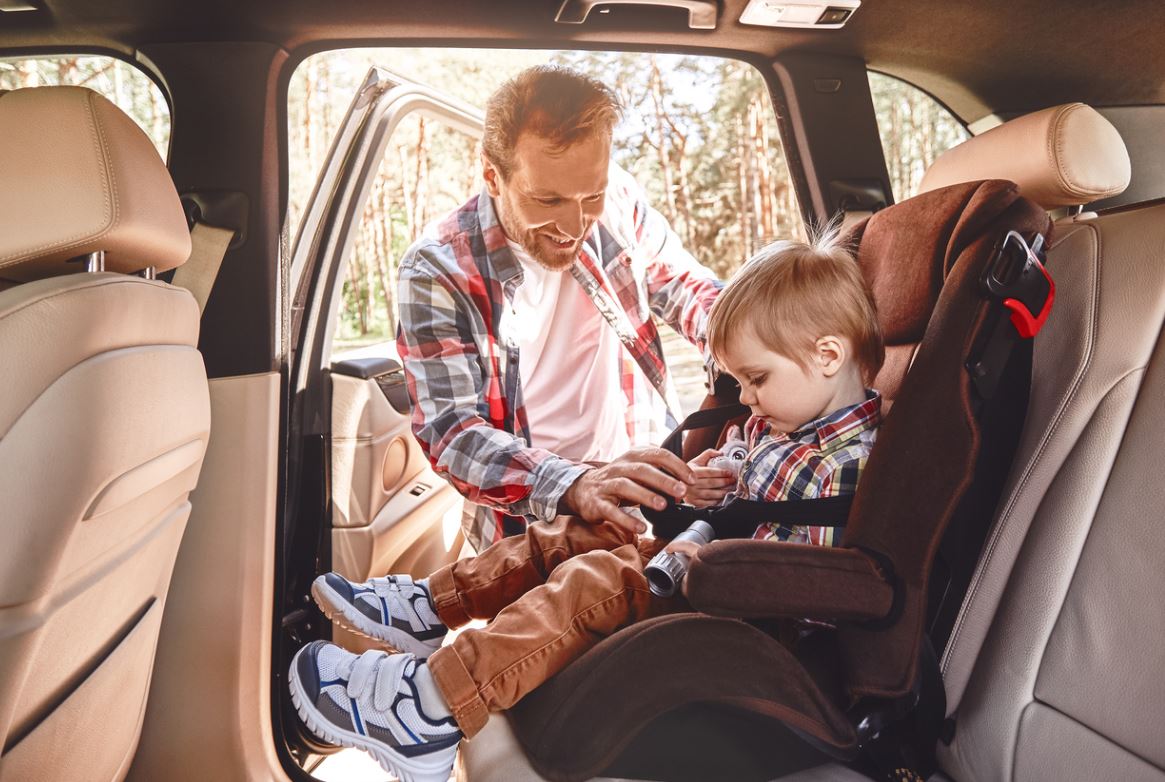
{"x": 183, "y": 452}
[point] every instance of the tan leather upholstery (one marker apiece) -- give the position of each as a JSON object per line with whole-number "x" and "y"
{"x": 1054, "y": 671}
{"x": 1062, "y": 156}
{"x": 1053, "y": 668}
{"x": 389, "y": 510}
{"x": 87, "y": 178}
{"x": 104, "y": 421}
{"x": 209, "y": 713}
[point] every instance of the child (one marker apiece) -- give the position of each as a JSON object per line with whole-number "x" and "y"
{"x": 802, "y": 358}
{"x": 797, "y": 328}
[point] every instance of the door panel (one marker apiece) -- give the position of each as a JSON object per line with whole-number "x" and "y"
{"x": 389, "y": 509}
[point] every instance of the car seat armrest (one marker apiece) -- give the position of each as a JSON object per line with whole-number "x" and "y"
{"x": 755, "y": 579}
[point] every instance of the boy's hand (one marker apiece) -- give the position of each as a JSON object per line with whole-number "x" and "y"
{"x": 688, "y": 548}
{"x": 712, "y": 483}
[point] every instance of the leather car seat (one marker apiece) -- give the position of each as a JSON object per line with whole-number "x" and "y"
{"x": 104, "y": 420}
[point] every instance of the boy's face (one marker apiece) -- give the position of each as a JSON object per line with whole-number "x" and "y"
{"x": 783, "y": 392}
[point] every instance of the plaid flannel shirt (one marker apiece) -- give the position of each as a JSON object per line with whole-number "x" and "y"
{"x": 824, "y": 458}
{"x": 455, "y": 286}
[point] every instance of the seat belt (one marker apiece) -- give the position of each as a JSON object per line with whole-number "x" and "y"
{"x": 740, "y": 517}
{"x": 208, "y": 246}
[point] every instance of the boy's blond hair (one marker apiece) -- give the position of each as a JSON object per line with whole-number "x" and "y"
{"x": 790, "y": 294}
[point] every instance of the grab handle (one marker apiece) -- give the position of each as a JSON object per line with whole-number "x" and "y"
{"x": 701, "y": 13}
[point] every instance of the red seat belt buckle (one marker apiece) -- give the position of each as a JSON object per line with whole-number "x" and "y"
{"x": 1027, "y": 323}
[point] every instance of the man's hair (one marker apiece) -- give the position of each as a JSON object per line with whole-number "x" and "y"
{"x": 552, "y": 102}
{"x": 793, "y": 293}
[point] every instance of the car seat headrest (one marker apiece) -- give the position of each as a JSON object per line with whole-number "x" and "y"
{"x": 1062, "y": 156}
{"x": 81, "y": 177}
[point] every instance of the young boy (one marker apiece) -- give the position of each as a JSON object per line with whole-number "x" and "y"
{"x": 798, "y": 329}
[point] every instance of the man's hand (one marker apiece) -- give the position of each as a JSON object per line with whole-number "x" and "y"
{"x": 712, "y": 483}
{"x": 638, "y": 477}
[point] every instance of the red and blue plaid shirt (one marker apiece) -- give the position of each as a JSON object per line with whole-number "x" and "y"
{"x": 823, "y": 458}
{"x": 462, "y": 370}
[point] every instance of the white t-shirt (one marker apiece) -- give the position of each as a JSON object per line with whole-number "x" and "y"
{"x": 569, "y": 363}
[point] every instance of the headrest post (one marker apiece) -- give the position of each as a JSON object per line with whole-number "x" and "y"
{"x": 149, "y": 273}
{"x": 95, "y": 262}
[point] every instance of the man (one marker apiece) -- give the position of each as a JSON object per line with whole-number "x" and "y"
{"x": 536, "y": 372}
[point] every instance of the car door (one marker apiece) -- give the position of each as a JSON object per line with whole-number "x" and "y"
{"x": 368, "y": 500}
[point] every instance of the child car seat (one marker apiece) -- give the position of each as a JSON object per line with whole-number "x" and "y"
{"x": 920, "y": 514}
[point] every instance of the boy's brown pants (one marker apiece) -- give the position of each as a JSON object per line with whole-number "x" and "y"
{"x": 551, "y": 594}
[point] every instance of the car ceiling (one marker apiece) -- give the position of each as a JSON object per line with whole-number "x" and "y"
{"x": 977, "y": 56}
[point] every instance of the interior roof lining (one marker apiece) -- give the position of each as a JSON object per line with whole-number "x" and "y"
{"x": 991, "y": 56}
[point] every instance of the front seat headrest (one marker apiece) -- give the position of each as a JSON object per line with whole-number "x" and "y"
{"x": 1062, "y": 156}
{"x": 80, "y": 177}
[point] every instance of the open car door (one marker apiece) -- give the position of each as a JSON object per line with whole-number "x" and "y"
{"x": 362, "y": 497}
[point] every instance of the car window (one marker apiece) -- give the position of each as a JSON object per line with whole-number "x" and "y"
{"x": 122, "y": 83}
{"x": 699, "y": 135}
{"x": 915, "y": 129}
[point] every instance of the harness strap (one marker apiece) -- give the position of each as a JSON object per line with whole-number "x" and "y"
{"x": 701, "y": 419}
{"x": 740, "y": 518}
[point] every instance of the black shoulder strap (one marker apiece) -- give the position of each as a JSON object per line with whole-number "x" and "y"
{"x": 701, "y": 419}
{"x": 740, "y": 518}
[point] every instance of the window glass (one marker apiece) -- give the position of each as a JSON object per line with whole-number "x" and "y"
{"x": 915, "y": 129}
{"x": 125, "y": 85}
{"x": 699, "y": 134}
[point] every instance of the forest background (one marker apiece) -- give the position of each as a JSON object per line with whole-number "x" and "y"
{"x": 699, "y": 134}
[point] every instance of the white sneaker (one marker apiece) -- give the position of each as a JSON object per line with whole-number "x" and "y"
{"x": 371, "y": 702}
{"x": 395, "y": 610}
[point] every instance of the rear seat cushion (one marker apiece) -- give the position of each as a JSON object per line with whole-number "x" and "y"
{"x": 1042, "y": 577}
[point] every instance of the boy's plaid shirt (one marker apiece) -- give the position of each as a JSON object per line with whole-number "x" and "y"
{"x": 824, "y": 458}
{"x": 455, "y": 288}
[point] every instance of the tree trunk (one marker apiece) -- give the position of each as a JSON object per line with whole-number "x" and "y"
{"x": 383, "y": 256}
{"x": 764, "y": 171}
{"x": 663, "y": 147}
{"x": 421, "y": 179}
{"x": 742, "y": 189}
{"x": 354, "y": 292}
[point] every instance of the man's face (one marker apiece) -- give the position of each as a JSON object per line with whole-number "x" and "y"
{"x": 552, "y": 197}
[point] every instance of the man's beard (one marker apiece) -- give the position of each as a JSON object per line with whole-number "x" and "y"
{"x": 551, "y": 259}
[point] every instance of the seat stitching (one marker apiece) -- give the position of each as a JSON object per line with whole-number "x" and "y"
{"x": 1056, "y": 138}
